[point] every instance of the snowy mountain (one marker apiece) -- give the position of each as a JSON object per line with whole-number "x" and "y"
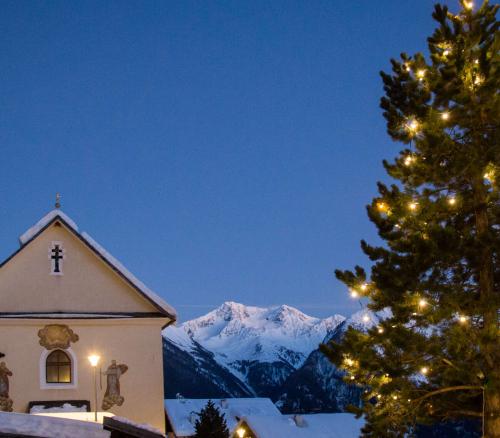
{"x": 239, "y": 350}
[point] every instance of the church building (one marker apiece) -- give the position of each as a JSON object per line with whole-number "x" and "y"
{"x": 76, "y": 327}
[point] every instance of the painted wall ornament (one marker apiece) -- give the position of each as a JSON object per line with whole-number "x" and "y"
{"x": 5, "y": 401}
{"x": 56, "y": 336}
{"x": 112, "y": 395}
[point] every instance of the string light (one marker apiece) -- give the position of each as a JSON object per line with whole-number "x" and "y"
{"x": 412, "y": 126}
{"x": 354, "y": 293}
{"x": 364, "y": 287}
{"x": 382, "y": 207}
{"x": 380, "y": 330}
{"x": 409, "y": 159}
{"x": 468, "y": 5}
{"x": 446, "y": 52}
{"x": 352, "y": 377}
{"x": 424, "y": 370}
{"x": 452, "y": 200}
{"x": 488, "y": 176}
{"x": 394, "y": 397}
{"x": 366, "y": 318}
{"x": 462, "y": 319}
{"x": 379, "y": 396}
{"x": 420, "y": 74}
{"x": 445, "y": 115}
{"x": 413, "y": 205}
{"x": 349, "y": 361}
{"x": 476, "y": 61}
{"x": 478, "y": 80}
{"x": 422, "y": 303}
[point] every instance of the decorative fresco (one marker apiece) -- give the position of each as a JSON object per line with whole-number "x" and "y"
{"x": 56, "y": 336}
{"x": 112, "y": 395}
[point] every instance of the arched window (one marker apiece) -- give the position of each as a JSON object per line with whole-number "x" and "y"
{"x": 58, "y": 367}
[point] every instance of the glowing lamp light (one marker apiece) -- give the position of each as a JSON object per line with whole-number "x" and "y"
{"x": 94, "y": 360}
{"x": 462, "y": 319}
{"x": 420, "y": 74}
{"x": 445, "y": 115}
{"x": 488, "y": 176}
{"x": 380, "y": 330}
{"x": 241, "y": 432}
{"x": 366, "y": 318}
{"x": 363, "y": 287}
{"x": 413, "y": 206}
{"x": 422, "y": 303}
{"x": 394, "y": 397}
{"x": 349, "y": 362}
{"x": 424, "y": 370}
{"x": 452, "y": 200}
{"x": 469, "y": 5}
{"x": 446, "y": 52}
{"x": 354, "y": 293}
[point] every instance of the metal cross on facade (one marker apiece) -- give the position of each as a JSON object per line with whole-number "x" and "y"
{"x": 56, "y": 255}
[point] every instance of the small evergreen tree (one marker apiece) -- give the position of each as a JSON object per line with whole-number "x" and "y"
{"x": 211, "y": 423}
{"x": 437, "y": 355}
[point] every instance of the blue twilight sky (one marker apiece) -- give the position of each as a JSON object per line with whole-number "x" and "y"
{"x": 222, "y": 150}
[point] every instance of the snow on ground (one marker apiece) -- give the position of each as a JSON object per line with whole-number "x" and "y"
{"x": 143, "y": 426}
{"x": 46, "y": 426}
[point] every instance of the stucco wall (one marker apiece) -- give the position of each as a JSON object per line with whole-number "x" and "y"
{"x": 87, "y": 283}
{"x": 134, "y": 342}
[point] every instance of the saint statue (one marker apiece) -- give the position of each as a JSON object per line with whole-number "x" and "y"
{"x": 5, "y": 401}
{"x": 112, "y": 395}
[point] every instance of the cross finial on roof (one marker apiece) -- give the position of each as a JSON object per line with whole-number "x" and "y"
{"x": 58, "y": 200}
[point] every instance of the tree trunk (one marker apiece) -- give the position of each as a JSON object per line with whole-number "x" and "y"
{"x": 492, "y": 413}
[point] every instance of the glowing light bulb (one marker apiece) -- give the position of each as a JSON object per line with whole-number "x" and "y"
{"x": 424, "y": 370}
{"x": 446, "y": 52}
{"x": 394, "y": 397}
{"x": 488, "y": 176}
{"x": 241, "y": 432}
{"x": 420, "y": 74}
{"x": 412, "y": 126}
{"x": 468, "y": 5}
{"x": 379, "y": 396}
{"x": 94, "y": 360}
{"x": 413, "y": 205}
{"x": 349, "y": 362}
{"x": 422, "y": 303}
{"x": 478, "y": 80}
{"x": 382, "y": 207}
{"x": 366, "y": 318}
{"x": 452, "y": 200}
{"x": 445, "y": 115}
{"x": 354, "y": 293}
{"x": 364, "y": 287}
{"x": 380, "y": 330}
{"x": 409, "y": 159}
{"x": 476, "y": 61}
{"x": 462, "y": 319}
{"x": 352, "y": 377}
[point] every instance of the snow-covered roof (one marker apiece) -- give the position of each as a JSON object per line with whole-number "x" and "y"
{"x": 182, "y": 412}
{"x": 314, "y": 425}
{"x": 32, "y": 232}
{"x": 45, "y": 426}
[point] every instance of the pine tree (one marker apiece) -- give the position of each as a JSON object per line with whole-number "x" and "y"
{"x": 211, "y": 423}
{"x": 436, "y": 354}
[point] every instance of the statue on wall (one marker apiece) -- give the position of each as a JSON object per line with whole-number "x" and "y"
{"x": 112, "y": 395}
{"x": 56, "y": 336}
{"x": 5, "y": 401}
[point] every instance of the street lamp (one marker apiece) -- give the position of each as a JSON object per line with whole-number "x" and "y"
{"x": 94, "y": 361}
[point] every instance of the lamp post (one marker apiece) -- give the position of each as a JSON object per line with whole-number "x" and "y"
{"x": 94, "y": 361}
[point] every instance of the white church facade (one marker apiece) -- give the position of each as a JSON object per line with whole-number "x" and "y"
{"x": 66, "y": 305}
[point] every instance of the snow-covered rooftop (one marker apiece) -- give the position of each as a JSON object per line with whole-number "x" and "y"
{"x": 51, "y": 216}
{"x": 314, "y": 425}
{"x": 46, "y": 426}
{"x": 182, "y": 412}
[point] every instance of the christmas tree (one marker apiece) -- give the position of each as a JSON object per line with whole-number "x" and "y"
{"x": 211, "y": 423}
{"x": 435, "y": 354}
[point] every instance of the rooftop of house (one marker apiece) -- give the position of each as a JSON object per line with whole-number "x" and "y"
{"x": 182, "y": 412}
